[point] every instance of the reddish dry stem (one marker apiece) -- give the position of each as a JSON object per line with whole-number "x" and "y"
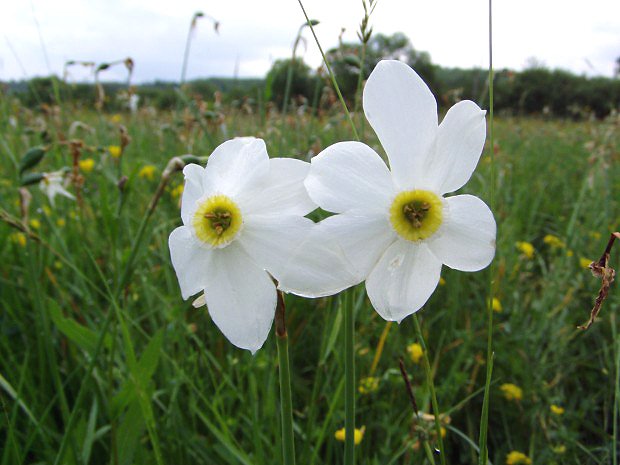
{"x": 601, "y": 269}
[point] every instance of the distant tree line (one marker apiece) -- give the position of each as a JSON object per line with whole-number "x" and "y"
{"x": 534, "y": 91}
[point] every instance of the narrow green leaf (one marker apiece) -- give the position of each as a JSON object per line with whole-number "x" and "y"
{"x": 31, "y": 178}
{"x": 129, "y": 432}
{"x": 89, "y": 436}
{"x": 31, "y": 158}
{"x": 150, "y": 358}
{"x": 82, "y": 336}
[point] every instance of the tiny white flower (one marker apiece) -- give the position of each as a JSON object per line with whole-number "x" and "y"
{"x": 394, "y": 225}
{"x": 243, "y": 223}
{"x": 53, "y": 184}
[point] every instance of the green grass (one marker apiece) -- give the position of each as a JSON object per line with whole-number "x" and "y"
{"x": 157, "y": 382}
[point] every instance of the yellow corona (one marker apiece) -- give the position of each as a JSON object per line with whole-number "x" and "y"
{"x": 416, "y": 215}
{"x": 217, "y": 221}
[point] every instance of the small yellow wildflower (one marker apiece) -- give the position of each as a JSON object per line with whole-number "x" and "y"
{"x": 147, "y": 172}
{"x": 115, "y": 151}
{"x": 47, "y": 210}
{"x": 116, "y": 118}
{"x": 517, "y": 458}
{"x": 35, "y": 224}
{"x": 444, "y": 432}
{"x": 569, "y": 253}
{"x": 357, "y": 438}
{"x": 511, "y": 391}
{"x": 584, "y": 262}
{"x": 556, "y": 409}
{"x": 496, "y": 305}
{"x": 526, "y": 249}
{"x": 18, "y": 238}
{"x": 553, "y": 241}
{"x": 442, "y": 282}
{"x": 559, "y": 449}
{"x": 368, "y": 385}
{"x": 177, "y": 191}
{"x": 87, "y": 165}
{"x": 60, "y": 222}
{"x": 594, "y": 235}
{"x": 415, "y": 352}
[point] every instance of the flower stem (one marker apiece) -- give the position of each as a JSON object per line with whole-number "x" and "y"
{"x": 349, "y": 383}
{"x": 286, "y": 402}
{"x": 484, "y": 417}
{"x": 431, "y": 387}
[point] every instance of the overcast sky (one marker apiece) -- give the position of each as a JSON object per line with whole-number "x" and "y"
{"x": 580, "y": 36}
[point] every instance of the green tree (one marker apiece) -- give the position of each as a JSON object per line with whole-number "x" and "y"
{"x": 303, "y": 81}
{"x": 345, "y": 60}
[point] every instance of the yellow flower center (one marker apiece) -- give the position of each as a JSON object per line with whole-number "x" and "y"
{"x": 217, "y": 221}
{"x": 416, "y": 215}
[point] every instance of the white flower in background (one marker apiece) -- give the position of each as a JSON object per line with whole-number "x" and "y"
{"x": 394, "y": 225}
{"x": 243, "y": 223}
{"x": 53, "y": 184}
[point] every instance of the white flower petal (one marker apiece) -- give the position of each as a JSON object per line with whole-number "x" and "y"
{"x": 236, "y": 165}
{"x": 192, "y": 191}
{"x": 459, "y": 144}
{"x": 349, "y": 175}
{"x": 241, "y": 297}
{"x": 403, "y": 112}
{"x": 190, "y": 261}
{"x": 298, "y": 254}
{"x": 362, "y": 237}
{"x": 282, "y": 191}
{"x": 403, "y": 280}
{"x": 466, "y": 239}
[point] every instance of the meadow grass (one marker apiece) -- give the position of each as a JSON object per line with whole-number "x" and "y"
{"x": 127, "y": 372}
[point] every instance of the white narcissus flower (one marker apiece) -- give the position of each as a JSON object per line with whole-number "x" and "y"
{"x": 394, "y": 225}
{"x": 243, "y": 223}
{"x": 53, "y": 184}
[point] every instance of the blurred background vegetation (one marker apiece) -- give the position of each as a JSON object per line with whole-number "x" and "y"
{"x": 534, "y": 91}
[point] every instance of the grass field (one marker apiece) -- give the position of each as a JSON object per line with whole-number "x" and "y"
{"x": 101, "y": 361}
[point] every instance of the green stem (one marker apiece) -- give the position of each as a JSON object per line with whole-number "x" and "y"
{"x": 288, "y": 443}
{"x": 286, "y": 402}
{"x": 349, "y": 384}
{"x": 431, "y": 387}
{"x": 616, "y": 390}
{"x": 331, "y": 74}
{"x": 484, "y": 419}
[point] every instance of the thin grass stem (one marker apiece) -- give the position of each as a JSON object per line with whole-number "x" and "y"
{"x": 616, "y": 346}
{"x": 484, "y": 419}
{"x": 330, "y": 72}
{"x": 431, "y": 387}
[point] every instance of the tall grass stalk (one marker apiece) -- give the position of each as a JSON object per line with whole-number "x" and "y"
{"x": 484, "y": 418}
{"x": 616, "y": 346}
{"x": 431, "y": 387}
{"x": 188, "y": 42}
{"x": 331, "y": 73}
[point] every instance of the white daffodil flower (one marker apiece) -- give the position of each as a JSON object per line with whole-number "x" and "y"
{"x": 243, "y": 223}
{"x": 53, "y": 184}
{"x": 394, "y": 225}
